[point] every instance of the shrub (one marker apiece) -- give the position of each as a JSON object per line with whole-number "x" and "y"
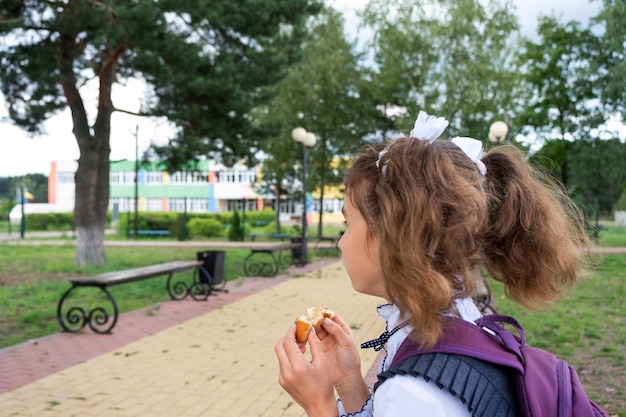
{"x": 50, "y": 221}
{"x": 236, "y": 232}
{"x": 204, "y": 228}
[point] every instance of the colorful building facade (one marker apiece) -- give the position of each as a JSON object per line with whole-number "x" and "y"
{"x": 211, "y": 188}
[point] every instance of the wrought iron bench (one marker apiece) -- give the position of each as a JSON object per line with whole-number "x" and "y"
{"x": 266, "y": 261}
{"x": 73, "y": 317}
{"x": 153, "y": 232}
{"x": 281, "y": 236}
{"x": 147, "y": 232}
{"x": 328, "y": 245}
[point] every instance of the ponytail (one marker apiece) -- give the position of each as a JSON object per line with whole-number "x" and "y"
{"x": 535, "y": 237}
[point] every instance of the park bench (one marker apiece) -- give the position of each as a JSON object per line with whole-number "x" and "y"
{"x": 259, "y": 223}
{"x": 328, "y": 245}
{"x": 148, "y": 232}
{"x": 281, "y": 236}
{"x": 206, "y": 278}
{"x": 266, "y": 261}
{"x": 153, "y": 232}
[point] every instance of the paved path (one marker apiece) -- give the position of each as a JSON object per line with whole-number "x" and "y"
{"x": 184, "y": 358}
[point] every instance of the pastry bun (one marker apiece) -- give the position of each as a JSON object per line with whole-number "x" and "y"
{"x": 313, "y": 318}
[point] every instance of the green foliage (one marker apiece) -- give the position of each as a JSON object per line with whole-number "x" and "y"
{"x": 612, "y": 236}
{"x": 294, "y": 230}
{"x": 50, "y": 221}
{"x": 207, "y": 65}
{"x": 272, "y": 228}
{"x": 551, "y": 158}
{"x": 36, "y": 184}
{"x": 326, "y": 94}
{"x": 226, "y": 217}
{"x": 595, "y": 167}
{"x": 558, "y": 72}
{"x": 6, "y": 205}
{"x": 148, "y": 221}
{"x": 457, "y": 63}
{"x": 610, "y": 61}
{"x": 200, "y": 224}
{"x": 204, "y": 228}
{"x": 236, "y": 231}
{"x": 620, "y": 205}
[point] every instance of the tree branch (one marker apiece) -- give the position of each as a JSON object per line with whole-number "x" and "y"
{"x": 132, "y": 113}
{"x": 106, "y": 7}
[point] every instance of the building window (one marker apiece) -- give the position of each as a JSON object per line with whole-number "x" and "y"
{"x": 198, "y": 205}
{"x": 114, "y": 177}
{"x": 237, "y": 177}
{"x": 66, "y": 177}
{"x": 232, "y": 205}
{"x": 127, "y": 177}
{"x": 153, "y": 204}
{"x": 287, "y": 206}
{"x": 201, "y": 176}
{"x": 154, "y": 177}
{"x": 189, "y": 177}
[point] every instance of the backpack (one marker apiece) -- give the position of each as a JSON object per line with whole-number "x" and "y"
{"x": 546, "y": 385}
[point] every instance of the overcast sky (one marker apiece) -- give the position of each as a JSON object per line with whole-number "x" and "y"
{"x": 21, "y": 155}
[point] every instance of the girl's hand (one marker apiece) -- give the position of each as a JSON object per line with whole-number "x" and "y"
{"x": 344, "y": 363}
{"x": 341, "y": 353}
{"x": 307, "y": 381}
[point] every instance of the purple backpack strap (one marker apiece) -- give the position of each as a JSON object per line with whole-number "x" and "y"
{"x": 551, "y": 390}
{"x": 463, "y": 338}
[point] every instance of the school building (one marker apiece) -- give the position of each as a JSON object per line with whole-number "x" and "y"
{"x": 211, "y": 188}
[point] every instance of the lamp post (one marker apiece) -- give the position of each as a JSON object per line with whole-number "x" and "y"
{"x": 307, "y": 140}
{"x": 498, "y": 132}
{"x": 136, "y": 220}
{"x": 23, "y": 220}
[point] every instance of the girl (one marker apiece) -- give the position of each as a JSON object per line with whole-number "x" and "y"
{"x": 423, "y": 217}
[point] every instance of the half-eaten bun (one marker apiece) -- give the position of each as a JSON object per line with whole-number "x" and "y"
{"x": 313, "y": 318}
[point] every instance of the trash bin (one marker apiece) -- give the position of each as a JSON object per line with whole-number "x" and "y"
{"x": 297, "y": 257}
{"x": 213, "y": 263}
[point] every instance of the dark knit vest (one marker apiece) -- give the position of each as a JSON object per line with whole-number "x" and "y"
{"x": 486, "y": 389}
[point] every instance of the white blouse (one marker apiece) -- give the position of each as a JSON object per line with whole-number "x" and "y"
{"x": 404, "y": 395}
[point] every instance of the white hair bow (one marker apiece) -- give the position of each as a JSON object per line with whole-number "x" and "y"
{"x": 473, "y": 148}
{"x": 428, "y": 127}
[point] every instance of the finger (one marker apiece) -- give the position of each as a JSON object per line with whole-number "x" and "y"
{"x": 321, "y": 332}
{"x": 291, "y": 336}
{"x": 317, "y": 350}
{"x": 287, "y": 346}
{"x": 281, "y": 354}
{"x": 338, "y": 330}
{"x": 342, "y": 324}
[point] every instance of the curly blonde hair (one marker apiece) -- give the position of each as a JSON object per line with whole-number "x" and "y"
{"x": 439, "y": 221}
